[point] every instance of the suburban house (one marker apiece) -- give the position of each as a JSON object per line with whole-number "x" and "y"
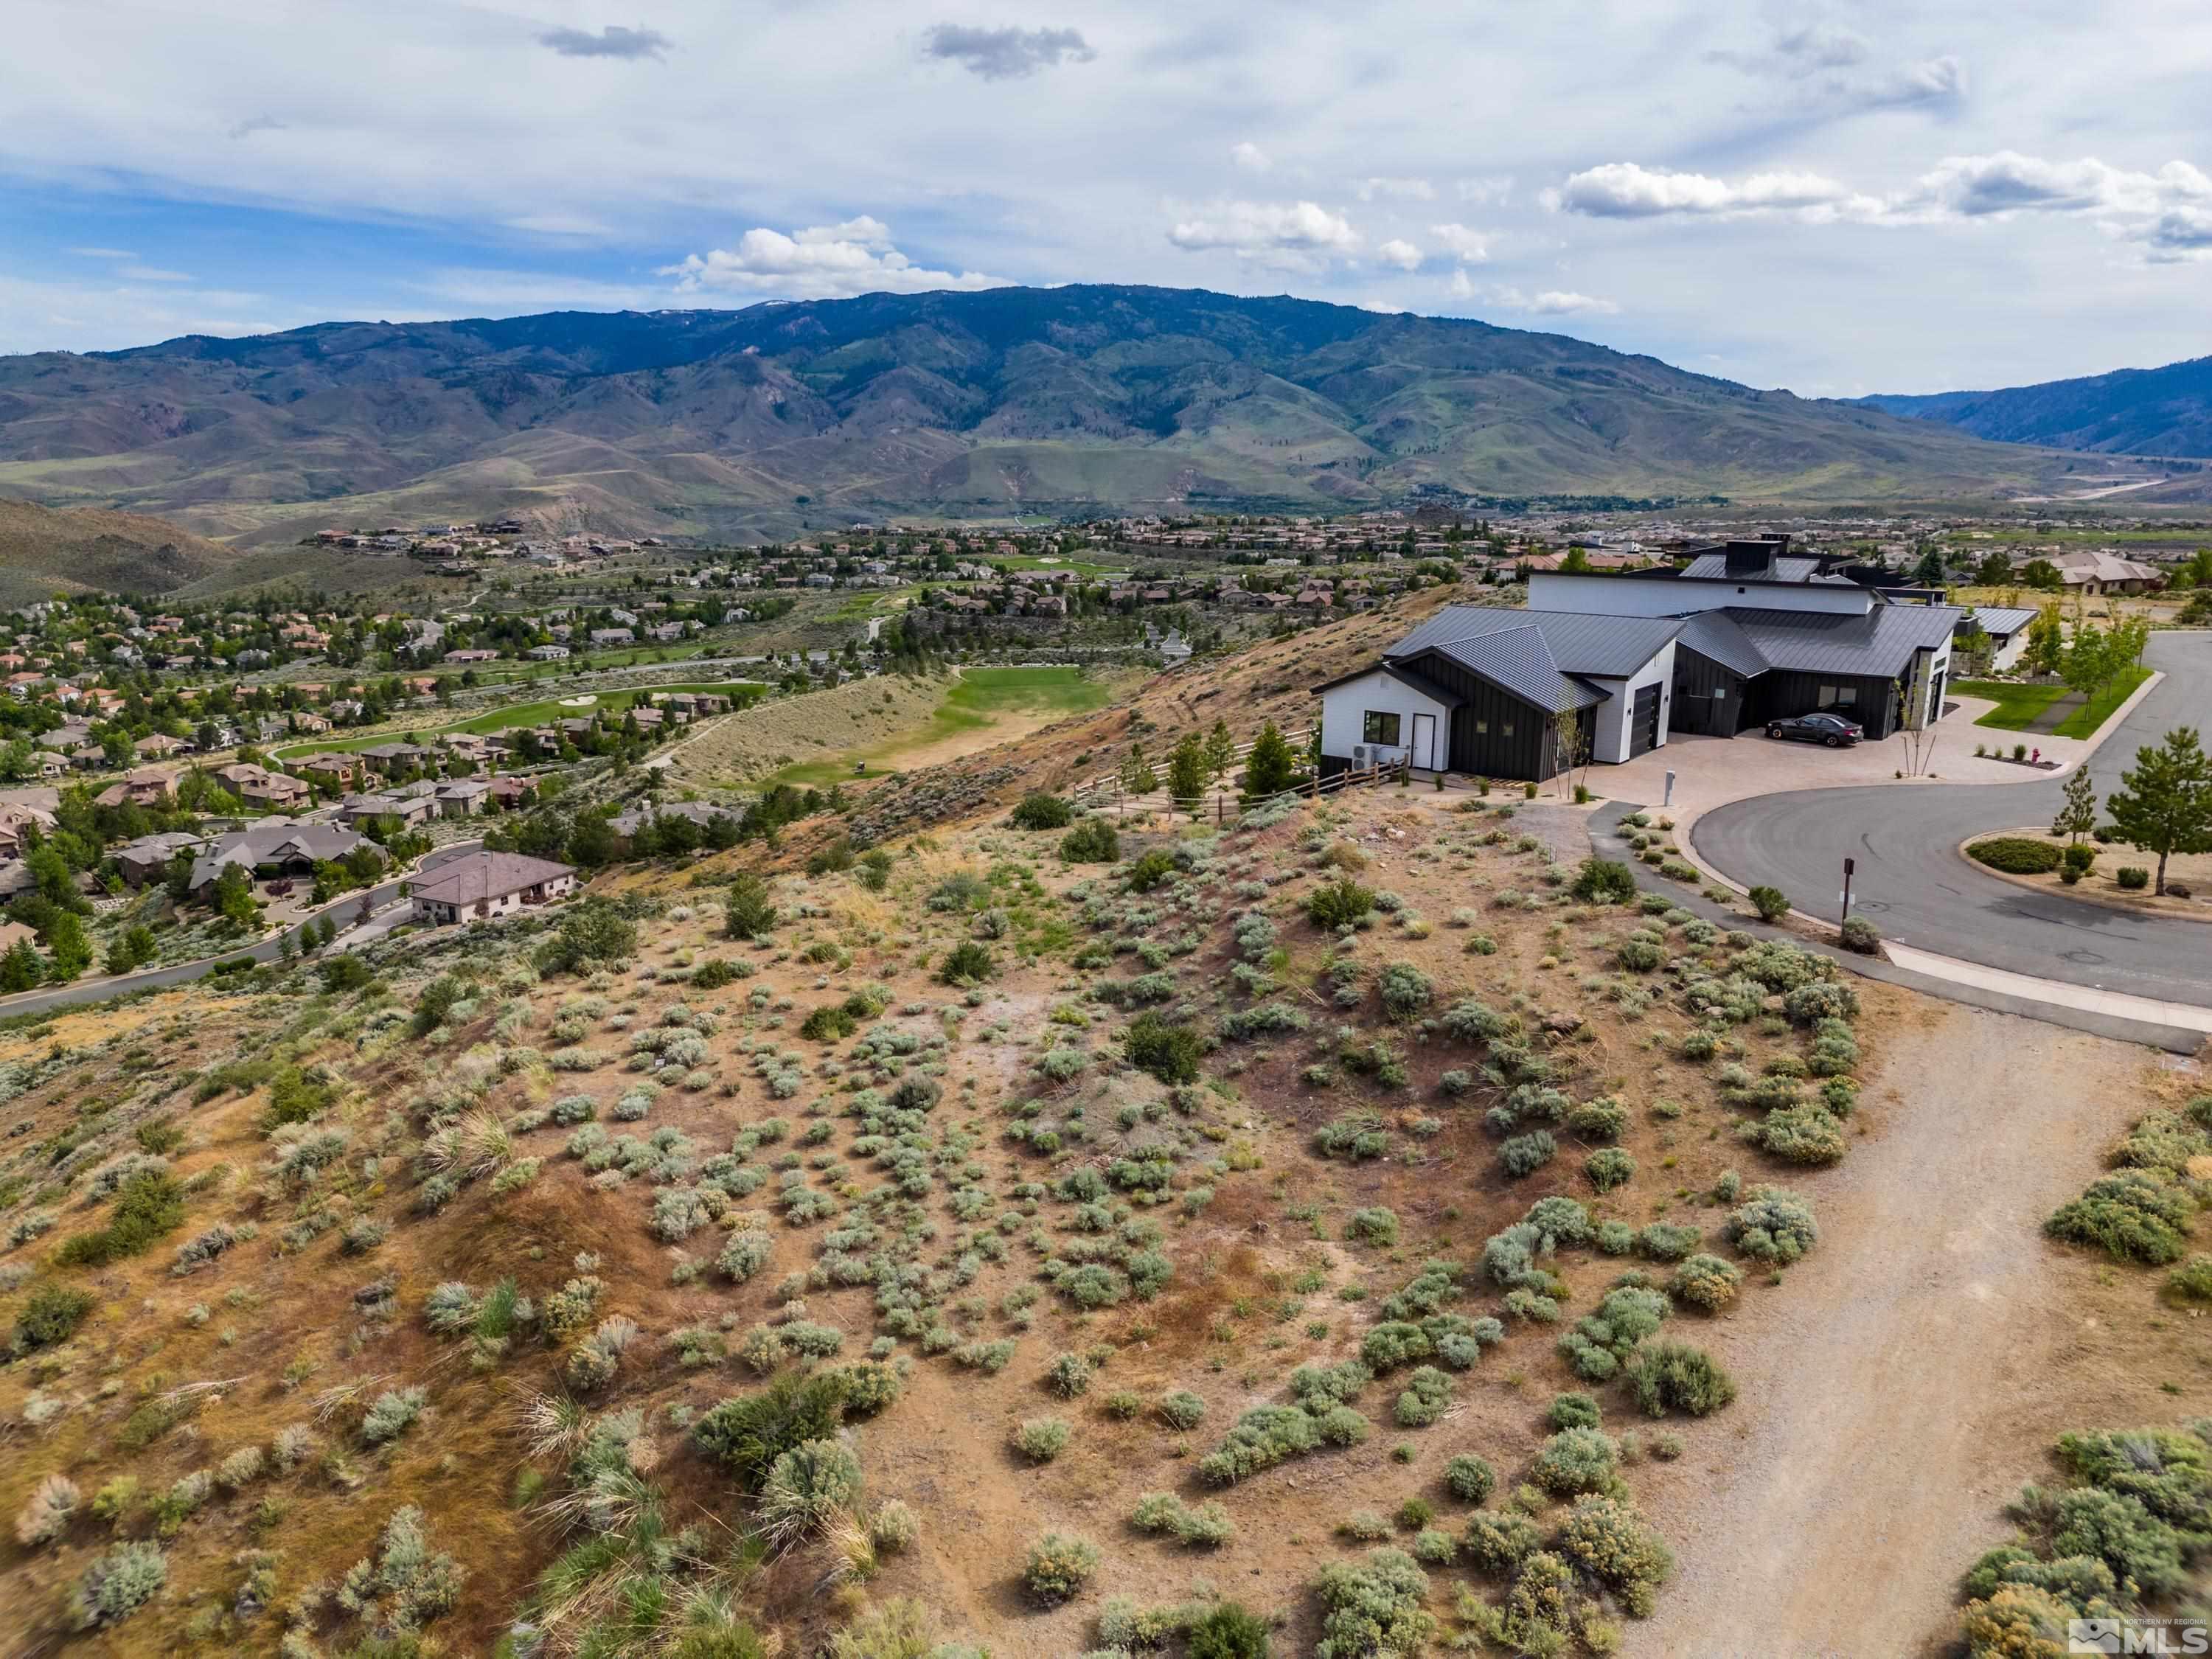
{"x": 407, "y": 810}
{"x": 258, "y": 786}
{"x": 485, "y": 884}
{"x": 338, "y": 768}
{"x": 16, "y": 824}
{"x": 1609, "y": 666}
{"x": 2094, "y": 571}
{"x": 275, "y": 846}
{"x": 143, "y": 788}
{"x": 2006, "y": 627}
{"x": 147, "y": 859}
{"x": 462, "y": 797}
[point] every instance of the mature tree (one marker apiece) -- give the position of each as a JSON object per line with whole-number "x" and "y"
{"x": 234, "y": 896}
{"x": 17, "y": 762}
{"x": 1271, "y": 767}
{"x": 2164, "y": 803}
{"x": 1186, "y": 777}
{"x": 1220, "y": 749}
{"x": 1930, "y": 571}
{"x": 2046, "y": 642}
{"x": 2077, "y": 813}
{"x": 71, "y": 950}
{"x": 2042, "y": 575}
{"x": 590, "y": 841}
{"x": 1138, "y": 777}
{"x": 22, "y": 969}
{"x": 1994, "y": 569}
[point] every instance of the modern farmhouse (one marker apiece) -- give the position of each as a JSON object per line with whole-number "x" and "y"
{"x": 1611, "y": 665}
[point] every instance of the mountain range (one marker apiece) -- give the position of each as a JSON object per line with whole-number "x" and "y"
{"x": 1061, "y": 400}
{"x": 43, "y": 551}
{"x": 2131, "y": 411}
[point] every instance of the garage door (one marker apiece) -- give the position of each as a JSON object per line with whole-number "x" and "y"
{"x": 1643, "y": 722}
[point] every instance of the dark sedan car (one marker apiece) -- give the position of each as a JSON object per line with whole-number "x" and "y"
{"x": 1831, "y": 730}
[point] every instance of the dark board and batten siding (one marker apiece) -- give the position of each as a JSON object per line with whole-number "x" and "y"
{"x": 1528, "y": 754}
{"x": 1776, "y": 695}
{"x": 1696, "y": 711}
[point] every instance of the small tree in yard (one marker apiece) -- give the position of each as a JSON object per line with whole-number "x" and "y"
{"x": 2164, "y": 803}
{"x": 2077, "y": 813}
{"x": 1186, "y": 777}
{"x": 1138, "y": 776}
{"x": 1271, "y": 767}
{"x": 1220, "y": 750}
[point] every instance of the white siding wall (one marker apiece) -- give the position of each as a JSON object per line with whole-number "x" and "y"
{"x": 1925, "y": 666}
{"x": 1629, "y": 596}
{"x": 2009, "y": 653}
{"x": 1344, "y": 709}
{"x": 1610, "y": 742}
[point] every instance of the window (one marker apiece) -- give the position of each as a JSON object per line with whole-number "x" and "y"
{"x": 1840, "y": 696}
{"x": 1380, "y": 727}
{"x": 1504, "y": 731}
{"x": 1482, "y": 728}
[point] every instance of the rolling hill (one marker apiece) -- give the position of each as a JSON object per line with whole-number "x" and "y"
{"x": 43, "y": 551}
{"x": 960, "y": 405}
{"x": 2131, "y": 411}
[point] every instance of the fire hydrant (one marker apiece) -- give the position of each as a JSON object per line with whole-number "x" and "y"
{"x": 2035, "y": 757}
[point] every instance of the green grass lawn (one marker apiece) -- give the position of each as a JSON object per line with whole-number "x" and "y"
{"x": 2084, "y": 721}
{"x": 503, "y": 718}
{"x": 2017, "y": 706}
{"x": 975, "y": 700}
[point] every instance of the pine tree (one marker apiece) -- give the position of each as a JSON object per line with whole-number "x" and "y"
{"x": 2077, "y": 813}
{"x": 1271, "y": 767}
{"x": 1186, "y": 777}
{"x": 1220, "y": 749}
{"x": 2164, "y": 803}
{"x": 1138, "y": 776}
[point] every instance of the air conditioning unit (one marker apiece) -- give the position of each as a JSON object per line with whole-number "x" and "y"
{"x": 1359, "y": 754}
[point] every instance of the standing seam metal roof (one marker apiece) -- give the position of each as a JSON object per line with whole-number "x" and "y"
{"x": 1611, "y": 647}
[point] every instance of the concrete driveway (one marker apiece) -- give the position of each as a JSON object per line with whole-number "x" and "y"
{"x": 1710, "y": 772}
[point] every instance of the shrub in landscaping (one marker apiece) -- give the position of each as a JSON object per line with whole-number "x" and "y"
{"x": 1182, "y": 1409}
{"x": 1427, "y": 1392}
{"x": 51, "y": 1314}
{"x": 1804, "y": 1133}
{"x": 1608, "y": 1167}
{"x": 1498, "y": 1541}
{"x": 1373, "y": 1608}
{"x": 1228, "y": 1631}
{"x": 1861, "y": 935}
{"x": 1069, "y": 1375}
{"x": 1469, "y": 1479}
{"x": 1093, "y": 840}
{"x": 1604, "y": 881}
{"x": 1524, "y": 1155}
{"x": 969, "y": 963}
{"x": 1339, "y": 903}
{"x": 1405, "y": 990}
{"x": 2017, "y": 856}
{"x": 1375, "y": 1225}
{"x": 1150, "y": 870}
{"x": 2192, "y": 1280}
{"x": 814, "y": 1484}
{"x": 1612, "y": 1543}
{"x": 1575, "y": 1460}
{"x": 2132, "y": 877}
{"x": 1706, "y": 1281}
{"x": 1060, "y": 1564}
{"x": 748, "y": 1432}
{"x": 1573, "y": 1410}
{"x": 1775, "y": 1226}
{"x": 1040, "y": 810}
{"x": 1168, "y": 1051}
{"x": 1675, "y": 1377}
{"x": 1041, "y": 1439}
{"x": 1771, "y": 902}
{"x": 2135, "y": 1215}
{"x": 1262, "y": 1437}
{"x": 118, "y": 1583}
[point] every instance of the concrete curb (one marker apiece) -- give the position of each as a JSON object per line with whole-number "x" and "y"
{"x": 2174, "y": 1039}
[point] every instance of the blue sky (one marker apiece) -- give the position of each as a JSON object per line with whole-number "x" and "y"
{"x": 1837, "y": 199}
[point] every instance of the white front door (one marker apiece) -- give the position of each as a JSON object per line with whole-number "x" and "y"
{"x": 1424, "y": 742}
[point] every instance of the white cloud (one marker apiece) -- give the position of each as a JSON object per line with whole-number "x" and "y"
{"x": 1978, "y": 186}
{"x": 1555, "y": 302}
{"x": 820, "y": 261}
{"x": 1481, "y": 192}
{"x": 1252, "y": 230}
{"x": 1250, "y": 157}
{"x": 1461, "y": 286}
{"x": 559, "y": 224}
{"x": 137, "y": 273}
{"x": 1624, "y": 190}
{"x": 1399, "y": 252}
{"x": 2184, "y": 234}
{"x": 1469, "y": 244}
{"x": 103, "y": 253}
{"x": 1403, "y": 190}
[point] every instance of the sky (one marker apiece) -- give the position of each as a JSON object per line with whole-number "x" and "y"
{"x": 1839, "y": 199}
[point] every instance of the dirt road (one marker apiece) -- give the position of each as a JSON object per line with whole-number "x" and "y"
{"x": 1912, "y": 1373}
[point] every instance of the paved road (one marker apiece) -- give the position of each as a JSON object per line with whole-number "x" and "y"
{"x": 152, "y": 979}
{"x": 1912, "y": 883}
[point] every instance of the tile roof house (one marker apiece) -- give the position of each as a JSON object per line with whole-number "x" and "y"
{"x": 274, "y": 845}
{"x": 485, "y": 884}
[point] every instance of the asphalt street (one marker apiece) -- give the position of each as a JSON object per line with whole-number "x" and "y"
{"x": 100, "y": 990}
{"x": 1913, "y": 884}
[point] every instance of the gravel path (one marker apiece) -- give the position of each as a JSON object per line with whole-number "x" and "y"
{"x": 1907, "y": 1379}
